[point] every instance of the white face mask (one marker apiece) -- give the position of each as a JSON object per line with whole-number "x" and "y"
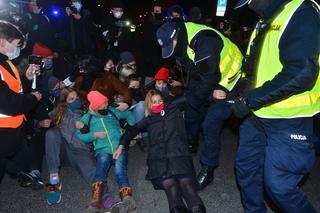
{"x": 117, "y": 15}
{"x": 14, "y": 54}
{"x": 77, "y": 5}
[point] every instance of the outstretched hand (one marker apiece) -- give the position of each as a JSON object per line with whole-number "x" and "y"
{"x": 117, "y": 153}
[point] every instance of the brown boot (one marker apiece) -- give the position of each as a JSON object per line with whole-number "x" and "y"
{"x": 126, "y": 197}
{"x": 97, "y": 191}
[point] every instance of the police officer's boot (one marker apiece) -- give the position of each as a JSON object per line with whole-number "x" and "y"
{"x": 179, "y": 209}
{"x": 205, "y": 176}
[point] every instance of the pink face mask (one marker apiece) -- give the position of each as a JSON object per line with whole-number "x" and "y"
{"x": 157, "y": 108}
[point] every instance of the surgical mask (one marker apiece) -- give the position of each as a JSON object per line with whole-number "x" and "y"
{"x": 47, "y": 64}
{"x": 157, "y": 108}
{"x": 77, "y": 5}
{"x": 14, "y": 54}
{"x": 118, "y": 14}
{"x": 75, "y": 105}
{"x": 103, "y": 111}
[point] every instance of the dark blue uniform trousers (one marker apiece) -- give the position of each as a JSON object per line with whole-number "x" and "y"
{"x": 217, "y": 113}
{"x": 274, "y": 154}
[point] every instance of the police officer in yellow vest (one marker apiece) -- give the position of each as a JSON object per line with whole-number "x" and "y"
{"x": 276, "y": 136}
{"x": 13, "y": 102}
{"x": 216, "y": 69}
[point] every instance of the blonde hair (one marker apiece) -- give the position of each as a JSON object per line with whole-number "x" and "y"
{"x": 148, "y": 101}
{"x": 62, "y": 105}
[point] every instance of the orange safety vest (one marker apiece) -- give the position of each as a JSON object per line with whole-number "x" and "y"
{"x": 14, "y": 83}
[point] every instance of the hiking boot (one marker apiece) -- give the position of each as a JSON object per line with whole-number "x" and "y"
{"x": 127, "y": 199}
{"x": 54, "y": 193}
{"x": 97, "y": 192}
{"x": 28, "y": 180}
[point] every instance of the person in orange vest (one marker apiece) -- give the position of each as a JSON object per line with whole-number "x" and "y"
{"x": 14, "y": 102}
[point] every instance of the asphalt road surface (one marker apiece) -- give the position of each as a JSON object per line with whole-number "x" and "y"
{"x": 221, "y": 196}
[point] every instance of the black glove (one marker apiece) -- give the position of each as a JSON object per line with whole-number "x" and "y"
{"x": 240, "y": 107}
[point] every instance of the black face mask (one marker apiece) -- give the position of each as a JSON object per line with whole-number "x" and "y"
{"x": 103, "y": 111}
{"x": 158, "y": 16}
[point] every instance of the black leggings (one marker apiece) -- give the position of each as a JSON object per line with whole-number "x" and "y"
{"x": 179, "y": 190}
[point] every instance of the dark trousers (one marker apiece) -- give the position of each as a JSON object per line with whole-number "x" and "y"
{"x": 37, "y": 149}
{"x": 217, "y": 113}
{"x": 274, "y": 154}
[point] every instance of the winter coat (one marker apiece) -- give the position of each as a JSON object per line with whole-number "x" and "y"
{"x": 168, "y": 150}
{"x": 68, "y": 128}
{"x": 107, "y": 123}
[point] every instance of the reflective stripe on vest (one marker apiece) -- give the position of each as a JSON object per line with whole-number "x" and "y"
{"x": 304, "y": 104}
{"x": 14, "y": 83}
{"x": 230, "y": 56}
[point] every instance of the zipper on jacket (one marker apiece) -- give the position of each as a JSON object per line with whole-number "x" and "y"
{"x": 105, "y": 129}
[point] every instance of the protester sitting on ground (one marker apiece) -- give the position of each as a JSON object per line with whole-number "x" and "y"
{"x": 63, "y": 148}
{"x": 102, "y": 127}
{"x": 170, "y": 165}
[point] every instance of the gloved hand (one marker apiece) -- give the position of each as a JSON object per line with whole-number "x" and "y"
{"x": 240, "y": 107}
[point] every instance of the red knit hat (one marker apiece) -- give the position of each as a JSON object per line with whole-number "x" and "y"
{"x": 41, "y": 50}
{"x": 96, "y": 99}
{"x": 162, "y": 74}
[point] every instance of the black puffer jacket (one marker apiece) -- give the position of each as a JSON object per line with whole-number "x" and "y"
{"x": 168, "y": 151}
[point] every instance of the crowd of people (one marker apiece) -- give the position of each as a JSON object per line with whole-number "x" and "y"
{"x": 74, "y": 98}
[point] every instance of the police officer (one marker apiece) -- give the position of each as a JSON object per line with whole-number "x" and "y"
{"x": 283, "y": 94}
{"x": 14, "y": 103}
{"x": 214, "y": 63}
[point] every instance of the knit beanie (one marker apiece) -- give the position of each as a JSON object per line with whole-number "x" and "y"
{"x": 96, "y": 99}
{"x": 117, "y": 4}
{"x": 41, "y": 50}
{"x": 126, "y": 57}
{"x": 162, "y": 74}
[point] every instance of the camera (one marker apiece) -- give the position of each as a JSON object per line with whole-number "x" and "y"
{"x": 73, "y": 10}
{"x": 33, "y": 59}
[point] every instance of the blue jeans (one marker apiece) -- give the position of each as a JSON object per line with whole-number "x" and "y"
{"x": 105, "y": 161}
{"x": 138, "y": 111}
{"x": 275, "y": 154}
{"x": 217, "y": 113}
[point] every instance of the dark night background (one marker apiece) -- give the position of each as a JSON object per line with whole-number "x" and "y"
{"x": 135, "y": 7}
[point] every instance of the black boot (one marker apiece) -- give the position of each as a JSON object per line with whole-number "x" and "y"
{"x": 198, "y": 209}
{"x": 205, "y": 176}
{"x": 193, "y": 147}
{"x": 179, "y": 209}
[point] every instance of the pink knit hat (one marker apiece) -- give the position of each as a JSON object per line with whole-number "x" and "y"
{"x": 96, "y": 99}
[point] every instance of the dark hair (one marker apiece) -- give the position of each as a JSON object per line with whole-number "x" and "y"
{"x": 11, "y": 32}
{"x": 90, "y": 64}
{"x": 156, "y": 4}
{"x": 134, "y": 77}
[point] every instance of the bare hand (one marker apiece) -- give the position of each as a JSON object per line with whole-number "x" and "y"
{"x": 122, "y": 106}
{"x": 37, "y": 95}
{"x": 100, "y": 135}
{"x": 117, "y": 153}
{"x": 175, "y": 83}
{"x": 32, "y": 68}
{"x": 79, "y": 125}
{"x": 219, "y": 94}
{"x": 44, "y": 123}
{"x": 76, "y": 16}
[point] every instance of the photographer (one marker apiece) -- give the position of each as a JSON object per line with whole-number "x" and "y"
{"x": 15, "y": 102}
{"x": 39, "y": 26}
{"x": 116, "y": 30}
{"x": 78, "y": 29}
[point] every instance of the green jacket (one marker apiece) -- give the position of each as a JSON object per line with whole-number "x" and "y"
{"x": 107, "y": 123}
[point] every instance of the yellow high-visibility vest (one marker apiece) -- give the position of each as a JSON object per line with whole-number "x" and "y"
{"x": 230, "y": 56}
{"x": 305, "y": 104}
